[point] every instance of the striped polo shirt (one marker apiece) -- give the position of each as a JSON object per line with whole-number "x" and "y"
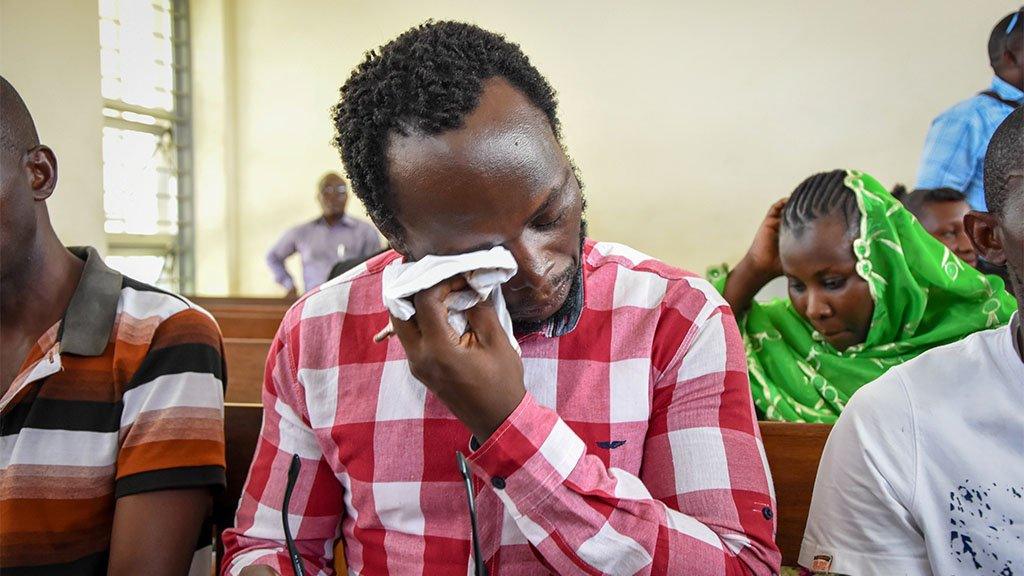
{"x": 124, "y": 395}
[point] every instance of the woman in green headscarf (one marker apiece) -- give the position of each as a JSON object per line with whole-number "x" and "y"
{"x": 869, "y": 288}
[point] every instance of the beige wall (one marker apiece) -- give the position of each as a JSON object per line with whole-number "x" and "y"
{"x": 687, "y": 118}
{"x": 49, "y": 51}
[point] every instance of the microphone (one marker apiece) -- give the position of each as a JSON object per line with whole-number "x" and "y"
{"x": 478, "y": 559}
{"x": 293, "y": 552}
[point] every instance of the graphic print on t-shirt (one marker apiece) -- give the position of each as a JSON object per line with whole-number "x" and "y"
{"x": 983, "y": 519}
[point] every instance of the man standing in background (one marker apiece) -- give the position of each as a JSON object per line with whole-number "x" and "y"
{"x": 331, "y": 238}
{"x": 955, "y": 148}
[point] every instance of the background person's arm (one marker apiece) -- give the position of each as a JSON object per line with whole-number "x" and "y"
{"x": 285, "y": 247}
{"x": 155, "y": 533}
{"x": 371, "y": 242}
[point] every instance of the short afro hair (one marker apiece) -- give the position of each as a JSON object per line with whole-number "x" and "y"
{"x": 425, "y": 81}
{"x": 999, "y": 41}
{"x": 916, "y": 201}
{"x": 1004, "y": 158}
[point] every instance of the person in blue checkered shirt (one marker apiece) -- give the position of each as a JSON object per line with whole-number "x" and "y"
{"x": 955, "y": 148}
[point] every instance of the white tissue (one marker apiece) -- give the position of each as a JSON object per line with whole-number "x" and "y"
{"x": 485, "y": 271}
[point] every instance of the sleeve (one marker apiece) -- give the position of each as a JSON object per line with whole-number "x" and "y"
{"x": 172, "y": 423}
{"x": 703, "y": 504}
{"x": 950, "y": 157}
{"x": 860, "y": 520}
{"x": 316, "y": 505}
{"x": 371, "y": 242}
{"x": 284, "y": 248}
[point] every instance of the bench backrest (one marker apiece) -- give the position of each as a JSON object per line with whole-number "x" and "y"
{"x": 246, "y": 359}
{"x": 793, "y": 452}
{"x": 245, "y": 317}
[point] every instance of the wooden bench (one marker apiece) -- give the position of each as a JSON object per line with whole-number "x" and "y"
{"x": 246, "y": 359}
{"x": 245, "y": 317}
{"x": 793, "y": 452}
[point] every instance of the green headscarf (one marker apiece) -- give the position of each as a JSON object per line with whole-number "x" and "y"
{"x": 924, "y": 297}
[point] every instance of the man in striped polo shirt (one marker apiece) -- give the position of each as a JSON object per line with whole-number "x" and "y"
{"x": 111, "y": 414}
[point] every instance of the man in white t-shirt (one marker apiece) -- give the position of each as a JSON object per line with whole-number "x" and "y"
{"x": 924, "y": 471}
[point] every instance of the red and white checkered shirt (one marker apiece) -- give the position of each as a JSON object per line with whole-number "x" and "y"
{"x": 635, "y": 450}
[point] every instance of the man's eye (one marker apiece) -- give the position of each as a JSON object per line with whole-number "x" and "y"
{"x": 796, "y": 286}
{"x": 549, "y": 223}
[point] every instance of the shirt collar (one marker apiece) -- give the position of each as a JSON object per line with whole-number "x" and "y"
{"x": 345, "y": 220}
{"x": 1005, "y": 90}
{"x": 90, "y": 316}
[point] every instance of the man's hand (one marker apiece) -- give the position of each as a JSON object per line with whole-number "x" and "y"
{"x": 259, "y": 571}
{"x": 478, "y": 376}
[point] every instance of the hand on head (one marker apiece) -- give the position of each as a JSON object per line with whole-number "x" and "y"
{"x": 763, "y": 254}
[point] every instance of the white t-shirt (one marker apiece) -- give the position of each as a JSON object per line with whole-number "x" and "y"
{"x": 924, "y": 471}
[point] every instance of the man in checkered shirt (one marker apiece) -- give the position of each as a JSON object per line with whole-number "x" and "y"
{"x": 623, "y": 441}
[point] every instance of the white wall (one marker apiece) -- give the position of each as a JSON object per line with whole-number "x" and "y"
{"x": 49, "y": 51}
{"x": 687, "y": 118}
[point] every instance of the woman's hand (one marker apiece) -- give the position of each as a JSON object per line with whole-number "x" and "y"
{"x": 760, "y": 266}
{"x": 763, "y": 255}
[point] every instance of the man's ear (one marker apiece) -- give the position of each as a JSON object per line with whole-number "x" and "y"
{"x": 41, "y": 165}
{"x": 983, "y": 230}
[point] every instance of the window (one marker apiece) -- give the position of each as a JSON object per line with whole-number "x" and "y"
{"x": 144, "y": 66}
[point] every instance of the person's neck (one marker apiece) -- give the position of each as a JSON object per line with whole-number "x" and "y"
{"x": 1018, "y": 83}
{"x": 333, "y": 219}
{"x": 34, "y": 296}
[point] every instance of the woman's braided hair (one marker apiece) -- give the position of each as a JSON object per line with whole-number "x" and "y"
{"x": 821, "y": 195}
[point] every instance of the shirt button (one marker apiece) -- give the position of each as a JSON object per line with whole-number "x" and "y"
{"x": 767, "y": 513}
{"x": 498, "y": 482}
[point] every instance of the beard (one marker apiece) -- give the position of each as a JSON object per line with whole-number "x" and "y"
{"x": 573, "y": 300}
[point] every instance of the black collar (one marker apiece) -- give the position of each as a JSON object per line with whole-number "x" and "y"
{"x": 90, "y": 316}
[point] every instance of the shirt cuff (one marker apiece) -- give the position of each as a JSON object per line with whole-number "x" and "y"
{"x": 274, "y": 558}
{"x": 530, "y": 454}
{"x": 834, "y": 560}
{"x": 171, "y": 479}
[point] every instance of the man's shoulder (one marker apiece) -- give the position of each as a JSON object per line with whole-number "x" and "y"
{"x": 635, "y": 277}
{"x": 139, "y": 301}
{"x": 968, "y": 111}
{"x": 356, "y": 292}
{"x": 937, "y": 375}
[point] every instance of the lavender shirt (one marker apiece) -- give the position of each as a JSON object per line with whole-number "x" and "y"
{"x": 320, "y": 246}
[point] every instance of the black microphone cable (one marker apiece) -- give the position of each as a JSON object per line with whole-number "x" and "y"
{"x": 293, "y": 552}
{"x": 478, "y": 558}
